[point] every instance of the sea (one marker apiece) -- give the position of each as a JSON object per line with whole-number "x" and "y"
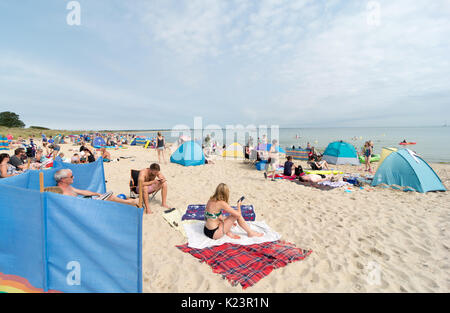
{"x": 432, "y": 143}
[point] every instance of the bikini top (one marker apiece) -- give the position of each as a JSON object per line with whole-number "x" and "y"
{"x": 212, "y": 215}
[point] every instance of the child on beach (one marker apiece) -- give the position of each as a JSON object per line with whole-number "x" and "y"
{"x": 274, "y": 160}
{"x": 105, "y": 155}
{"x": 368, "y": 150}
{"x": 216, "y": 227}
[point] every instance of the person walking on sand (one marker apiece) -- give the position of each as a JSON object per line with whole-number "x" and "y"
{"x": 216, "y": 226}
{"x": 160, "y": 147}
{"x": 274, "y": 160}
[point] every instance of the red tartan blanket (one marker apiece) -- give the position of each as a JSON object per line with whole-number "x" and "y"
{"x": 246, "y": 265}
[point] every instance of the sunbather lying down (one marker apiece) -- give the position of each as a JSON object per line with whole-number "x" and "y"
{"x": 216, "y": 226}
{"x": 314, "y": 178}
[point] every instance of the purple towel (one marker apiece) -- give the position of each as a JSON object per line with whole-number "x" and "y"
{"x": 197, "y": 212}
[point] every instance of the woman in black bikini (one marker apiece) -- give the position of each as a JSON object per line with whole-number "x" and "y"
{"x": 160, "y": 146}
{"x": 216, "y": 227}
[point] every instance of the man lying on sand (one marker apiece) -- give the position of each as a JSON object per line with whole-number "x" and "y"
{"x": 64, "y": 180}
{"x": 151, "y": 179}
{"x": 313, "y": 178}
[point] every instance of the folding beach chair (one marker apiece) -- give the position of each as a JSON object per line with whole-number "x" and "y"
{"x": 253, "y": 157}
{"x": 134, "y": 191}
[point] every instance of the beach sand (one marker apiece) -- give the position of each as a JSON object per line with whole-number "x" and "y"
{"x": 403, "y": 234}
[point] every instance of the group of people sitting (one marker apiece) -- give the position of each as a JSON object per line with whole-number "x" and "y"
{"x": 18, "y": 163}
{"x": 290, "y": 168}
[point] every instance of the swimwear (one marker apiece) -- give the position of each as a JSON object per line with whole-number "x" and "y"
{"x": 210, "y": 232}
{"x": 160, "y": 143}
{"x": 212, "y": 215}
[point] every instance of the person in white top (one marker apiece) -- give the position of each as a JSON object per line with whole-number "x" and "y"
{"x": 274, "y": 160}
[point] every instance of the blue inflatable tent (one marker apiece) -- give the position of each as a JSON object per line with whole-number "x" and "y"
{"x": 340, "y": 152}
{"x": 189, "y": 153}
{"x": 56, "y": 243}
{"x": 406, "y": 169}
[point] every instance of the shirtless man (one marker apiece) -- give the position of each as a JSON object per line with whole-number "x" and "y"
{"x": 64, "y": 180}
{"x": 151, "y": 179}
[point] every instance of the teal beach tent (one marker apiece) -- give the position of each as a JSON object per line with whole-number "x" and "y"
{"x": 406, "y": 169}
{"x": 189, "y": 153}
{"x": 340, "y": 152}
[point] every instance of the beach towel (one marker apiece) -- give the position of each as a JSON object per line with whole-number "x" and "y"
{"x": 314, "y": 185}
{"x": 198, "y": 240}
{"x": 281, "y": 176}
{"x": 197, "y": 212}
{"x": 335, "y": 184}
{"x": 246, "y": 265}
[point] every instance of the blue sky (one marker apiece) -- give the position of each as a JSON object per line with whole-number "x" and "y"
{"x": 297, "y": 63}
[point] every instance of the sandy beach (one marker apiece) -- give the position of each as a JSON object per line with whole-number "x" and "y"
{"x": 401, "y": 233}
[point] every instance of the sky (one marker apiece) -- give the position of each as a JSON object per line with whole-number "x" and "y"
{"x": 157, "y": 64}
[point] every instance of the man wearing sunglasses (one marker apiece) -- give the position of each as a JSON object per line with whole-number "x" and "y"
{"x": 64, "y": 180}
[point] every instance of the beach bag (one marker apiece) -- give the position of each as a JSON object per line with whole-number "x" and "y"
{"x": 298, "y": 170}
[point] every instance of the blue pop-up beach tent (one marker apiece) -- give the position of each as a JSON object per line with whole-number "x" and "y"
{"x": 340, "y": 152}
{"x": 189, "y": 153}
{"x": 98, "y": 142}
{"x": 53, "y": 242}
{"x": 406, "y": 169}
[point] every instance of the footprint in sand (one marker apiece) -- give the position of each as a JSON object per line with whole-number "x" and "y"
{"x": 420, "y": 251}
{"x": 380, "y": 254}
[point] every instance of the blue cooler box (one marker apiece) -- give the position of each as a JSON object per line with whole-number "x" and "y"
{"x": 261, "y": 165}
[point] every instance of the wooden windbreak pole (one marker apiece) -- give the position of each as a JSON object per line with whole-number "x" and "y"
{"x": 28, "y": 163}
{"x": 41, "y": 181}
{"x": 140, "y": 195}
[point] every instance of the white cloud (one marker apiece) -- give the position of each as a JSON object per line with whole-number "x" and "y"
{"x": 241, "y": 60}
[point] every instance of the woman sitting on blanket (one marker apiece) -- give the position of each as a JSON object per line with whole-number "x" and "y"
{"x": 216, "y": 227}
